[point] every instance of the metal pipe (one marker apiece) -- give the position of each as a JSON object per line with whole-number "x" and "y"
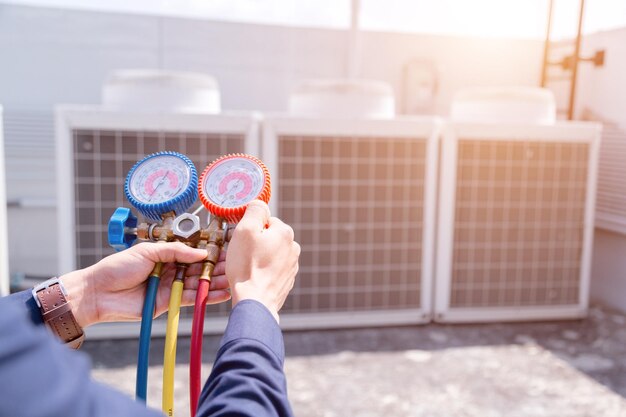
{"x": 354, "y": 50}
{"x": 546, "y": 46}
{"x": 576, "y": 58}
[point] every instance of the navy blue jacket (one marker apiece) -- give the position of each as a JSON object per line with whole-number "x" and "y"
{"x": 41, "y": 377}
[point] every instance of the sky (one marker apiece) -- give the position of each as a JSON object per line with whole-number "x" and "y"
{"x": 483, "y": 18}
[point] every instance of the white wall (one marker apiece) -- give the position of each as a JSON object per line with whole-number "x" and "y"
{"x": 52, "y": 56}
{"x": 602, "y": 90}
{"x": 63, "y": 56}
{"x": 602, "y": 93}
{"x": 460, "y": 62}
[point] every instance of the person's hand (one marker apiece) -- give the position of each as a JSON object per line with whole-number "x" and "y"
{"x": 114, "y": 289}
{"x": 262, "y": 259}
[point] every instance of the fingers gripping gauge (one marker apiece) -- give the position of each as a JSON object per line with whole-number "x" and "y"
{"x": 229, "y": 183}
{"x": 160, "y": 183}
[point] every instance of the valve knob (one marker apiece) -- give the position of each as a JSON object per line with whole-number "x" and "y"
{"x": 120, "y": 237}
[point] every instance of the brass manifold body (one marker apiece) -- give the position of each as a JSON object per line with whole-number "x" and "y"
{"x": 186, "y": 229}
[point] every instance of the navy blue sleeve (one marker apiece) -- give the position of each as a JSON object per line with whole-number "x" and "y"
{"x": 247, "y": 377}
{"x": 41, "y": 377}
{"x": 25, "y": 298}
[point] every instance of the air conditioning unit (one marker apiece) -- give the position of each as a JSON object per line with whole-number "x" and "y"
{"x": 4, "y": 249}
{"x": 360, "y": 195}
{"x": 516, "y": 220}
{"x": 95, "y": 150}
{"x": 97, "y": 146}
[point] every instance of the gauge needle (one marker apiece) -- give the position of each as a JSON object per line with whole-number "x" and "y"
{"x": 161, "y": 181}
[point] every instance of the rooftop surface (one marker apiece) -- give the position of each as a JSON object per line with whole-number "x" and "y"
{"x": 564, "y": 369}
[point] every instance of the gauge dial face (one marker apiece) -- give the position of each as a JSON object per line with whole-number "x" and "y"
{"x": 159, "y": 179}
{"x": 234, "y": 182}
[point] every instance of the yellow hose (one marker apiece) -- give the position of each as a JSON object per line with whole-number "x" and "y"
{"x": 169, "y": 357}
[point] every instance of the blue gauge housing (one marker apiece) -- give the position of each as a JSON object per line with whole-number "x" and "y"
{"x": 179, "y": 204}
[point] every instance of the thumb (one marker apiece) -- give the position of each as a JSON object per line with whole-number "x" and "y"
{"x": 257, "y": 215}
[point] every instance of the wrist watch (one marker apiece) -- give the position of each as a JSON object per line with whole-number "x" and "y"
{"x": 51, "y": 298}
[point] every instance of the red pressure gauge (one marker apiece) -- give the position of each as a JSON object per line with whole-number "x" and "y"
{"x": 230, "y": 182}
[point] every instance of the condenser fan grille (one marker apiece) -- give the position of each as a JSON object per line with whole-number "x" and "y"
{"x": 518, "y": 223}
{"x": 357, "y": 207}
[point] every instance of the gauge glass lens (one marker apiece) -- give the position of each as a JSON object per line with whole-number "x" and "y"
{"x": 159, "y": 179}
{"x": 234, "y": 182}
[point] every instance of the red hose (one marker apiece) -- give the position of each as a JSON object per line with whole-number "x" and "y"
{"x": 195, "y": 361}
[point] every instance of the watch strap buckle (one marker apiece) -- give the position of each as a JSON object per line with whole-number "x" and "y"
{"x": 44, "y": 286}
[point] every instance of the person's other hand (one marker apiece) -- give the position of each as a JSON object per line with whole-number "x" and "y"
{"x": 114, "y": 289}
{"x": 262, "y": 259}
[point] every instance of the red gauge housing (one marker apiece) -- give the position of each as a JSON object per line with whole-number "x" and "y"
{"x": 238, "y": 176}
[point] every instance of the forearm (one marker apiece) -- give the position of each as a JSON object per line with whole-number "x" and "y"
{"x": 47, "y": 379}
{"x": 58, "y": 302}
{"x": 247, "y": 377}
{"x": 78, "y": 296}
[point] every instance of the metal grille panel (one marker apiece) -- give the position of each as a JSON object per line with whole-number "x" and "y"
{"x": 356, "y": 205}
{"x": 29, "y": 142}
{"x": 518, "y": 223}
{"x": 612, "y": 179}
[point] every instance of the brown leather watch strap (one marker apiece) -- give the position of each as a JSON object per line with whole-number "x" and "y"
{"x": 57, "y": 313}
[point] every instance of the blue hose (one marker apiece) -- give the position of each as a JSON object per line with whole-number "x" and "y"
{"x": 144, "y": 338}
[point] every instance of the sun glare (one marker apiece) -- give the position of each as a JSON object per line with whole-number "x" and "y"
{"x": 491, "y": 18}
{"x": 482, "y": 18}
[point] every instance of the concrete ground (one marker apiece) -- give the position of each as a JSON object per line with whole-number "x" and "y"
{"x": 562, "y": 369}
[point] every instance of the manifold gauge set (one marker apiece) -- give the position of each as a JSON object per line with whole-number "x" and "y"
{"x": 162, "y": 187}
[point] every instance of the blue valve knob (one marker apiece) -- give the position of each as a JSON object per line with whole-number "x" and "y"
{"x": 121, "y": 220}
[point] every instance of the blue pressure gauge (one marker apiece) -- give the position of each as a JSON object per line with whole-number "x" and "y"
{"x": 160, "y": 183}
